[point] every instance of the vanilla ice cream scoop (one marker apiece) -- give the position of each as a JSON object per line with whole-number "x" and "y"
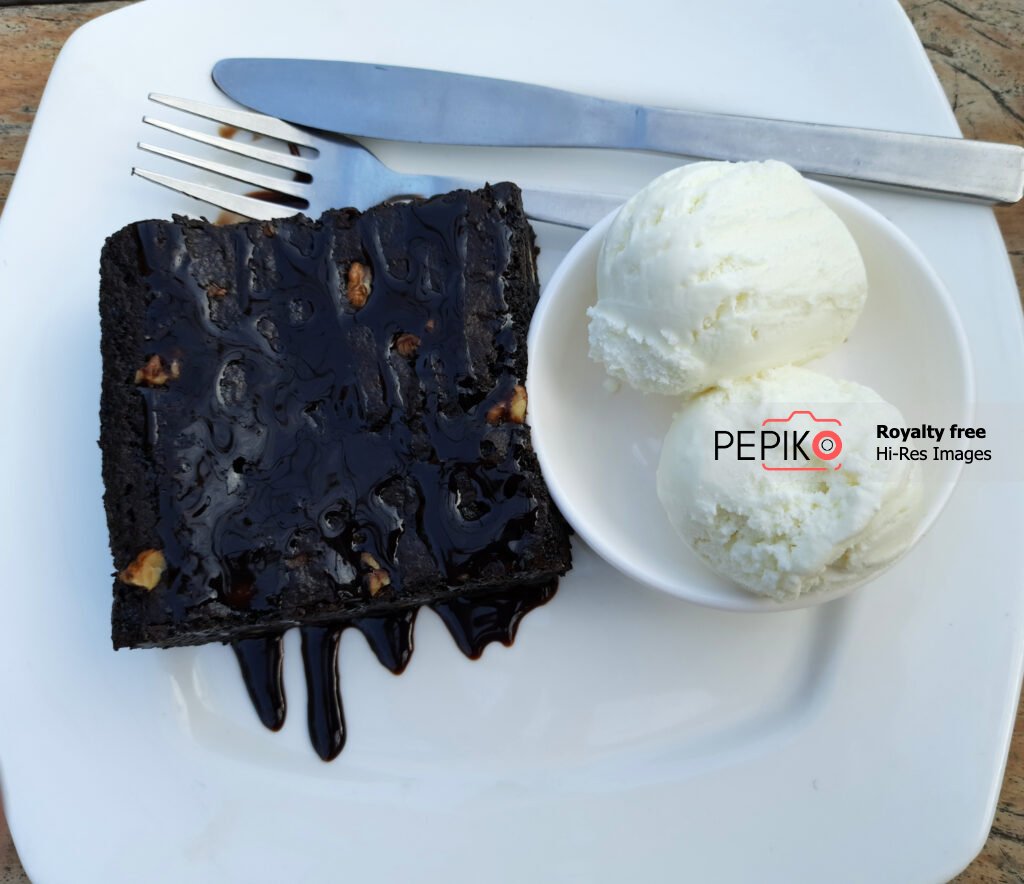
{"x": 807, "y": 512}
{"x": 719, "y": 270}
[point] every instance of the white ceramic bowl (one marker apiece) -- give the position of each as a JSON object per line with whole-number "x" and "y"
{"x": 599, "y": 450}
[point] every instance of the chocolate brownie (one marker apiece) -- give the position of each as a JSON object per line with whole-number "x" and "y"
{"x": 306, "y": 420}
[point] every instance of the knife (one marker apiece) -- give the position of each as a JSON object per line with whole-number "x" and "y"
{"x": 436, "y": 107}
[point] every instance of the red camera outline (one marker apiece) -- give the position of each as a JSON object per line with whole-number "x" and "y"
{"x": 822, "y": 435}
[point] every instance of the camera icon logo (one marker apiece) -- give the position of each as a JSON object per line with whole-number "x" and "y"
{"x": 791, "y": 434}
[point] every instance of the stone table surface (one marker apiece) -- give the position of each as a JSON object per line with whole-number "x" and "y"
{"x": 977, "y": 48}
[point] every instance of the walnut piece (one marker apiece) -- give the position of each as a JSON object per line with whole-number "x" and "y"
{"x": 514, "y": 409}
{"x": 496, "y": 413}
{"x": 155, "y": 374}
{"x": 377, "y": 578}
{"x": 215, "y": 291}
{"x": 517, "y": 407}
{"x": 146, "y": 570}
{"x": 407, "y": 344}
{"x": 360, "y": 280}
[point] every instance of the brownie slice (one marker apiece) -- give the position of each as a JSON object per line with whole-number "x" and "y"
{"x": 305, "y": 420}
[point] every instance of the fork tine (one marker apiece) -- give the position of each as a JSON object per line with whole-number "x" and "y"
{"x": 254, "y": 122}
{"x": 273, "y": 157}
{"x": 240, "y": 205}
{"x": 264, "y": 182}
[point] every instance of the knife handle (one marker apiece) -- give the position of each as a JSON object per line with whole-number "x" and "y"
{"x": 979, "y": 171}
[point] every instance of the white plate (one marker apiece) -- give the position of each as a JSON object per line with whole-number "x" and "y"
{"x": 600, "y": 449}
{"x": 627, "y": 735}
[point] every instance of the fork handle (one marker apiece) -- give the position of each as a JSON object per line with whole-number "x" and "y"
{"x": 569, "y": 208}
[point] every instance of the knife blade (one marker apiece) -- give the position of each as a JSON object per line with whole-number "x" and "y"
{"x": 437, "y": 107}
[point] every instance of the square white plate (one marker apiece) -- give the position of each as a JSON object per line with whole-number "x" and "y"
{"x": 627, "y": 735}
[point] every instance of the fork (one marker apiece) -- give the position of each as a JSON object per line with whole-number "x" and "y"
{"x": 342, "y": 173}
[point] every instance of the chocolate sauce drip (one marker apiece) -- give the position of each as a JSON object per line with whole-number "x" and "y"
{"x": 389, "y": 637}
{"x": 476, "y": 621}
{"x": 323, "y": 689}
{"x": 262, "y": 670}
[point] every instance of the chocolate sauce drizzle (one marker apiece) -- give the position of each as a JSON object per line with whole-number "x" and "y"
{"x": 473, "y": 621}
{"x": 476, "y": 621}
{"x": 324, "y": 712}
{"x": 262, "y": 667}
{"x": 336, "y": 434}
{"x": 314, "y": 452}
